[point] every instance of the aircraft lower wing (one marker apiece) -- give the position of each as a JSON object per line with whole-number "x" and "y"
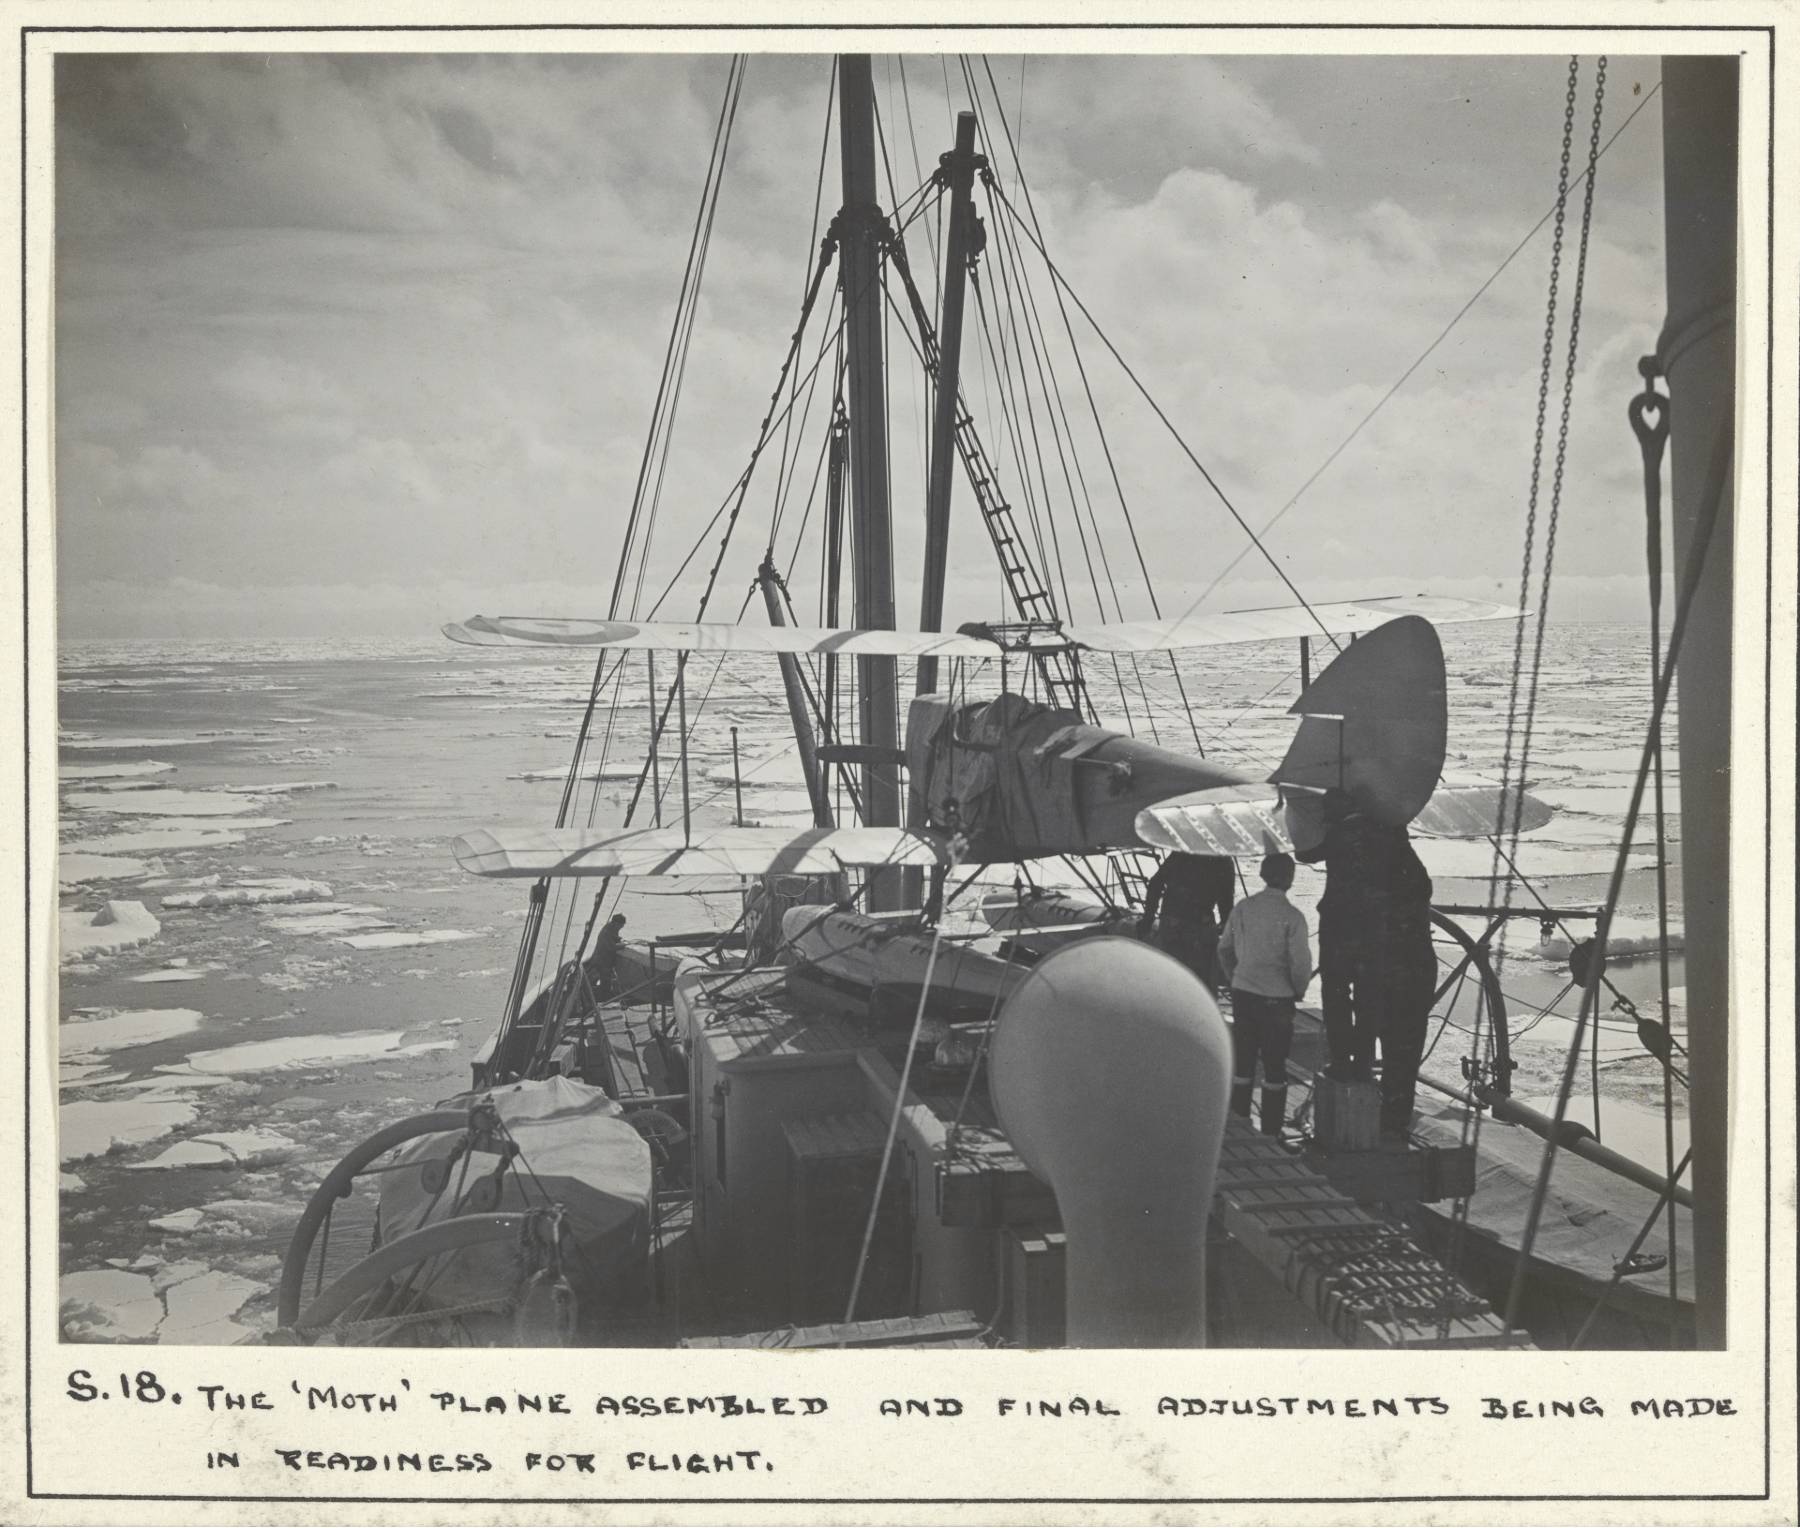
{"x": 1242, "y": 820}
{"x": 1220, "y": 630}
{"x": 532, "y": 853}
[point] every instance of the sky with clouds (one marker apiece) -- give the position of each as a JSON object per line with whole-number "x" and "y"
{"x": 358, "y": 344}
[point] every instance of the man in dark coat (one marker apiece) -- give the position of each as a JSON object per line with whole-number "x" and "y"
{"x": 1377, "y": 970}
{"x": 1194, "y": 893}
{"x": 603, "y": 964}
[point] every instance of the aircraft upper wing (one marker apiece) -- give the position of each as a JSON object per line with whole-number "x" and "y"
{"x": 1216, "y": 630}
{"x": 1205, "y": 630}
{"x": 714, "y": 637}
{"x": 530, "y": 853}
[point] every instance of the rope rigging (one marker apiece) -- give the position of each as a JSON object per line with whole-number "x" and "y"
{"x": 1099, "y": 427}
{"x": 1419, "y": 360}
{"x": 1718, "y": 469}
{"x": 1163, "y": 418}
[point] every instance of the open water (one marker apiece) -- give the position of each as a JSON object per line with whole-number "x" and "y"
{"x": 268, "y": 952}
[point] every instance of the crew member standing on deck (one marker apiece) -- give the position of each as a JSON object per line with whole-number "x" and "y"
{"x": 603, "y": 964}
{"x": 1409, "y": 977}
{"x": 1194, "y": 893}
{"x": 1349, "y": 967}
{"x": 1376, "y": 965}
{"x": 1268, "y": 962}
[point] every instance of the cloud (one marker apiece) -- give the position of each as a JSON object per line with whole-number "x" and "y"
{"x": 369, "y": 323}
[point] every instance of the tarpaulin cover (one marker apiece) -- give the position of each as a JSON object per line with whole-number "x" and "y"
{"x": 577, "y": 1150}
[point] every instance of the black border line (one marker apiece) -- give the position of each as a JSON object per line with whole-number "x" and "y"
{"x": 25, "y": 643}
{"x": 1768, "y": 31}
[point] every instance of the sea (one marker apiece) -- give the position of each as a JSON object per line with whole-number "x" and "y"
{"x": 268, "y": 951}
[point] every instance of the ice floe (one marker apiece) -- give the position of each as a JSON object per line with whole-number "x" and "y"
{"x": 185, "y": 1303}
{"x": 109, "y": 1305}
{"x": 400, "y": 939}
{"x": 251, "y": 893}
{"x": 163, "y": 803}
{"x": 86, "y": 1074}
{"x": 302, "y": 1052}
{"x": 86, "y": 741}
{"x": 347, "y": 919}
{"x": 282, "y": 788}
{"x": 119, "y": 771}
{"x": 93, "y": 1127}
{"x": 180, "y": 1222}
{"x": 75, "y": 869}
{"x": 173, "y": 972}
{"x": 588, "y": 772}
{"x": 116, "y": 926}
{"x": 95, "y": 1036}
{"x": 1474, "y": 859}
{"x": 251, "y": 1215}
{"x": 155, "y": 840}
{"x": 1626, "y": 936}
{"x": 200, "y": 1308}
{"x": 236, "y": 1148}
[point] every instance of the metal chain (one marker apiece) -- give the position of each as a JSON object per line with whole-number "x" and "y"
{"x": 1562, "y": 439}
{"x": 1537, "y": 449}
{"x": 1469, "y": 1135}
{"x": 1556, "y": 487}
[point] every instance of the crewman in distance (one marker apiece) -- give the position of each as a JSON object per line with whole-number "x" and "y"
{"x": 1267, "y": 960}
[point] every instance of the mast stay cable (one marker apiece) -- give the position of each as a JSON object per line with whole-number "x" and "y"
{"x": 1469, "y": 1132}
{"x": 1417, "y": 361}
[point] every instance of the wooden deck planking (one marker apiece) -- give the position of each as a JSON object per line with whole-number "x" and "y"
{"x": 637, "y": 1065}
{"x": 1368, "y": 1279}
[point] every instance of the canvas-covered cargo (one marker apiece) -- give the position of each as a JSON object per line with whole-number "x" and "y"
{"x": 576, "y": 1149}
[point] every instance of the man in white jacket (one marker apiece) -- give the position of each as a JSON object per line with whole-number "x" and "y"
{"x": 1267, "y": 962}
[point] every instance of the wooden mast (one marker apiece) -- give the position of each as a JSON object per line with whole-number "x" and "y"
{"x": 1699, "y": 356}
{"x": 960, "y": 164}
{"x": 859, "y": 273}
{"x": 795, "y": 691}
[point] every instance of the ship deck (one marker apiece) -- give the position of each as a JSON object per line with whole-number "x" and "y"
{"x": 1300, "y": 1261}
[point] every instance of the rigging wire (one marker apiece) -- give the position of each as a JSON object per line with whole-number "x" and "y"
{"x": 1099, "y": 428}
{"x": 812, "y": 242}
{"x": 681, "y": 336}
{"x": 1470, "y": 1131}
{"x": 660, "y": 435}
{"x": 1049, "y": 553}
{"x": 1718, "y": 468}
{"x": 1419, "y": 360}
{"x": 1163, "y": 418}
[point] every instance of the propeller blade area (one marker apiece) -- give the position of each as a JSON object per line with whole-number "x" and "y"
{"x": 1244, "y": 821}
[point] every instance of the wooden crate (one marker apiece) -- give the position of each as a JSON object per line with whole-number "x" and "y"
{"x": 1036, "y": 1271}
{"x": 832, "y": 1163}
{"x": 1346, "y": 1115}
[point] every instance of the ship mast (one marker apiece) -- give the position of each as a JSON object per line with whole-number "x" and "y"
{"x": 959, "y": 167}
{"x": 1699, "y": 355}
{"x": 859, "y": 225}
